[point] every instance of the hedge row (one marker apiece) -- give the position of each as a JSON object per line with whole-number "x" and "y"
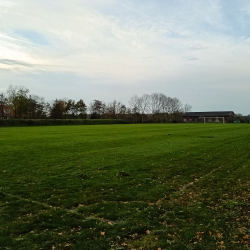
{"x": 57, "y": 122}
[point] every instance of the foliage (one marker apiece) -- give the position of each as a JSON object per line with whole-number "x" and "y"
{"x": 81, "y": 109}
{"x": 156, "y": 107}
{"x": 18, "y": 100}
{"x": 151, "y": 186}
{"x": 96, "y": 109}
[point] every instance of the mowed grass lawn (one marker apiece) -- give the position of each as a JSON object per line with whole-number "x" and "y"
{"x": 152, "y": 186}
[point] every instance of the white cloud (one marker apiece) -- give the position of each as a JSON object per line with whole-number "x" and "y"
{"x": 105, "y": 45}
{"x": 125, "y": 41}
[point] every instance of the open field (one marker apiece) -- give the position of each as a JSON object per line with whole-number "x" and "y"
{"x": 152, "y": 186}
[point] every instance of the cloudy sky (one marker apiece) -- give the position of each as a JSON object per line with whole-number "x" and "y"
{"x": 196, "y": 50}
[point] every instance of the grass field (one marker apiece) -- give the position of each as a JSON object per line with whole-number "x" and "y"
{"x": 154, "y": 186}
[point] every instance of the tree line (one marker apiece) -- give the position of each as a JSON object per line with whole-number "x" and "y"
{"x": 156, "y": 107}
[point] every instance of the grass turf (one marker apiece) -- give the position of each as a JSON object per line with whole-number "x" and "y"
{"x": 152, "y": 186}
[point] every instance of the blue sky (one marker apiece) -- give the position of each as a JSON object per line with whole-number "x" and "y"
{"x": 196, "y": 50}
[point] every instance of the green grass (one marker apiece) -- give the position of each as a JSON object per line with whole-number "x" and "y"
{"x": 154, "y": 186}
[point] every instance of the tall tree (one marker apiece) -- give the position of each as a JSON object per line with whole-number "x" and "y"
{"x": 81, "y": 109}
{"x": 156, "y": 104}
{"x": 12, "y": 99}
{"x": 96, "y": 109}
{"x": 134, "y": 106}
{"x": 58, "y": 109}
{"x": 36, "y": 107}
{"x": 143, "y": 105}
{"x": 18, "y": 100}
{"x": 23, "y": 101}
{"x": 71, "y": 108}
{"x": 114, "y": 109}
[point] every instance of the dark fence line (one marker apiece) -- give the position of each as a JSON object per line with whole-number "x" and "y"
{"x": 57, "y": 122}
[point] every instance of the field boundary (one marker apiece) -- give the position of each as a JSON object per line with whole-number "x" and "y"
{"x": 57, "y": 122}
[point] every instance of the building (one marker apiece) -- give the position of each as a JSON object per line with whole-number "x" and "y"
{"x": 248, "y": 119}
{"x": 5, "y": 112}
{"x": 208, "y": 117}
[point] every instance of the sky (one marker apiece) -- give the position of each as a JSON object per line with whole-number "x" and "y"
{"x": 195, "y": 50}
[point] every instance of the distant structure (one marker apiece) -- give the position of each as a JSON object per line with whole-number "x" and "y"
{"x": 4, "y": 112}
{"x": 248, "y": 119}
{"x": 208, "y": 117}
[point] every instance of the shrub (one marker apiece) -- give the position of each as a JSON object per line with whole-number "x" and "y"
{"x": 57, "y": 122}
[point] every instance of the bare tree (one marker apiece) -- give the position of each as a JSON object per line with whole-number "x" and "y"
{"x": 114, "y": 109}
{"x": 156, "y": 104}
{"x": 187, "y": 107}
{"x": 175, "y": 108}
{"x": 134, "y": 103}
{"x": 134, "y": 106}
{"x": 175, "y": 105}
{"x": 143, "y": 105}
{"x": 166, "y": 107}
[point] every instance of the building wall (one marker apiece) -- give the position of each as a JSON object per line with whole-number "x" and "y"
{"x": 5, "y": 112}
{"x": 197, "y": 119}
